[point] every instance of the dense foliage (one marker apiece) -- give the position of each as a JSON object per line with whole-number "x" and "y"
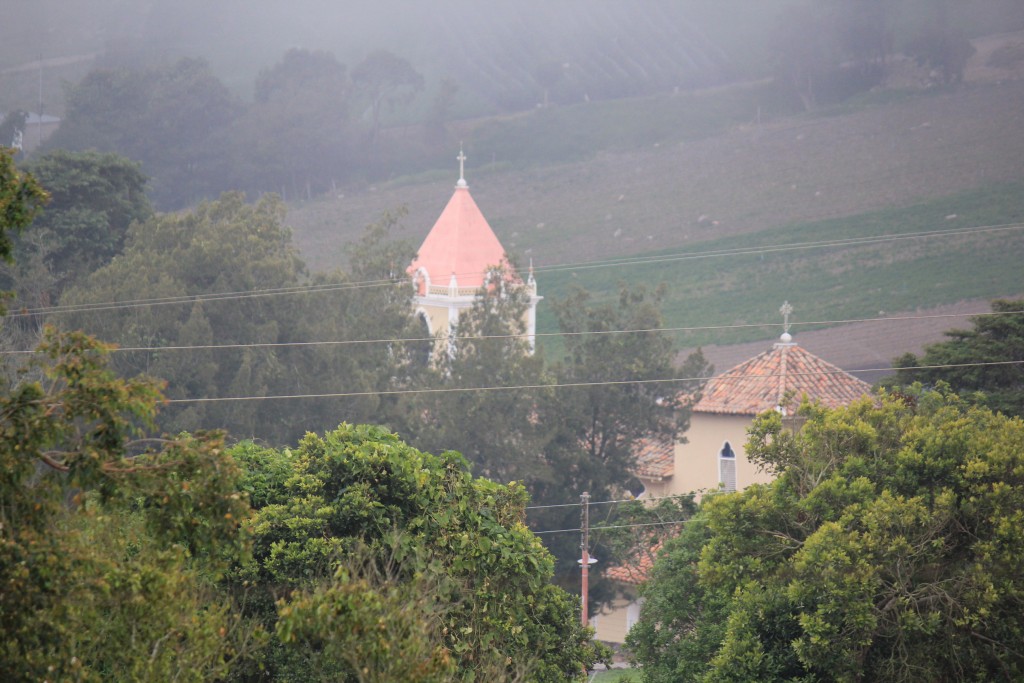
{"x": 194, "y": 265}
{"x": 558, "y": 440}
{"x": 353, "y": 526}
{"x": 93, "y": 199}
{"x": 21, "y": 198}
{"x": 996, "y": 342}
{"x": 887, "y": 549}
{"x": 110, "y": 538}
{"x": 172, "y": 119}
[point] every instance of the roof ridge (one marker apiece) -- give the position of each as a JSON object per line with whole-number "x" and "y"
{"x": 782, "y": 375}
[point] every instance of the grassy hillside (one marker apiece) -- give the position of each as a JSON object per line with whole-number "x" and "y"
{"x": 670, "y": 188}
{"x": 893, "y": 163}
{"x": 827, "y": 283}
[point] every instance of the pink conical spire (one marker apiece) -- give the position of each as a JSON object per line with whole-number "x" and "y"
{"x": 460, "y": 243}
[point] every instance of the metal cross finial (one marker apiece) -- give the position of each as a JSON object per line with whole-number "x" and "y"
{"x": 785, "y": 311}
{"x": 462, "y": 168}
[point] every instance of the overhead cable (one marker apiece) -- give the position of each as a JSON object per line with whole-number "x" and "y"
{"x": 615, "y": 526}
{"x": 607, "y": 263}
{"x": 524, "y": 335}
{"x": 567, "y": 385}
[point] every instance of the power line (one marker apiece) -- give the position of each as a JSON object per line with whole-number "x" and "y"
{"x": 739, "y": 251}
{"x": 607, "y": 263}
{"x": 392, "y": 340}
{"x": 615, "y": 526}
{"x": 568, "y": 385}
{"x": 609, "y": 502}
{"x": 199, "y": 298}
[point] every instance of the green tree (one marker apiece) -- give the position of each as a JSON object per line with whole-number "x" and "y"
{"x": 887, "y": 549}
{"x": 94, "y": 198}
{"x": 676, "y": 602}
{"x": 997, "y": 338}
{"x": 110, "y": 536}
{"x": 380, "y": 314}
{"x": 600, "y": 426}
{"x": 297, "y": 134}
{"x": 497, "y": 431}
{"x": 21, "y": 198}
{"x": 618, "y": 349}
{"x": 174, "y": 120}
{"x": 305, "y": 341}
{"x": 221, "y": 247}
{"x": 359, "y": 493}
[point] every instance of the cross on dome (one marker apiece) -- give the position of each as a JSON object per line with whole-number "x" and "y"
{"x": 786, "y": 310}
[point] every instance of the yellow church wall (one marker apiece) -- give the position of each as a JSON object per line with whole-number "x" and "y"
{"x": 696, "y": 462}
{"x": 437, "y": 318}
{"x": 613, "y": 623}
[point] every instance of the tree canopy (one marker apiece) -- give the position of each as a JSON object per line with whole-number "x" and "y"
{"x": 21, "y": 198}
{"x": 886, "y": 549}
{"x": 172, "y": 119}
{"x": 385, "y": 79}
{"x": 226, "y": 247}
{"x": 357, "y": 503}
{"x": 996, "y": 339}
{"x": 94, "y": 198}
{"x": 110, "y": 534}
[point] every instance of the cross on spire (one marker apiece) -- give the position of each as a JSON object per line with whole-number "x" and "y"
{"x": 462, "y": 167}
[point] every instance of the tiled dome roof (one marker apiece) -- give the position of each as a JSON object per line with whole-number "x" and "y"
{"x": 762, "y": 383}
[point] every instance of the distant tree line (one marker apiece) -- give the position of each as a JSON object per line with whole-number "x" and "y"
{"x": 315, "y": 125}
{"x": 825, "y": 52}
{"x": 304, "y": 132}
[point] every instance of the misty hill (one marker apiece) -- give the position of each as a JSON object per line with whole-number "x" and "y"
{"x": 504, "y": 55}
{"x": 935, "y": 160}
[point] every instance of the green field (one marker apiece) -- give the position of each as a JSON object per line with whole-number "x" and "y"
{"x": 827, "y": 283}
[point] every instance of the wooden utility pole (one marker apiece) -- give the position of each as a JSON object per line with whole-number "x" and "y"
{"x": 585, "y": 562}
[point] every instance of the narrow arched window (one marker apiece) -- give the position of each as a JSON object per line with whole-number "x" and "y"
{"x": 727, "y": 467}
{"x": 425, "y": 347}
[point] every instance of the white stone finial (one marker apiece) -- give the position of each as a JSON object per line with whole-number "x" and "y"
{"x": 462, "y": 168}
{"x": 786, "y": 310}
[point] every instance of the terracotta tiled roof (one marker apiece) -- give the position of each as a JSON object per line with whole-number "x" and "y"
{"x": 461, "y": 242}
{"x": 655, "y": 459}
{"x": 760, "y": 383}
{"x": 637, "y": 569}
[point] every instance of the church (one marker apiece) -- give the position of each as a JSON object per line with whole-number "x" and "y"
{"x": 454, "y": 263}
{"x": 713, "y": 456}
